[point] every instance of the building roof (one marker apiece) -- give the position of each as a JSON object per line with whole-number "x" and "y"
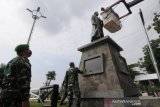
{"x": 144, "y": 77}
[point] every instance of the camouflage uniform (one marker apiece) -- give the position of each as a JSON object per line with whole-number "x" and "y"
{"x": 73, "y": 85}
{"x": 1, "y": 76}
{"x": 1, "y": 80}
{"x": 64, "y": 91}
{"x": 16, "y": 84}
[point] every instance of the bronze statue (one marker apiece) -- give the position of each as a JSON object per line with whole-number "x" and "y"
{"x": 97, "y": 27}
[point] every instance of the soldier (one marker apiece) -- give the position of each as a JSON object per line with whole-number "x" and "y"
{"x": 1, "y": 80}
{"x": 1, "y": 77}
{"x": 17, "y": 78}
{"x": 71, "y": 78}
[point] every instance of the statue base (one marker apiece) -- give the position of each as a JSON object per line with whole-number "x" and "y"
{"x": 106, "y": 75}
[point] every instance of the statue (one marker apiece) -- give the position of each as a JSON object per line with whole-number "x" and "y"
{"x": 97, "y": 27}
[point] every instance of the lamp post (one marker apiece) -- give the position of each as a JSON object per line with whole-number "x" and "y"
{"x": 150, "y": 48}
{"x": 36, "y": 14}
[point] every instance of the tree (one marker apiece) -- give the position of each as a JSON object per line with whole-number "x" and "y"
{"x": 156, "y": 23}
{"x": 50, "y": 76}
{"x": 155, "y": 44}
{"x": 133, "y": 72}
{"x": 147, "y": 61}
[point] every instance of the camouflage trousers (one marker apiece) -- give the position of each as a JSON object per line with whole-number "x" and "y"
{"x": 74, "y": 90}
{"x": 63, "y": 97}
{"x": 10, "y": 98}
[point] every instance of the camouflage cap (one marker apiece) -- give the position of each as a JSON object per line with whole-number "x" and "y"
{"x": 21, "y": 47}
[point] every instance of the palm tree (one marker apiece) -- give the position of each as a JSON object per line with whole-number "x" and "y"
{"x": 50, "y": 76}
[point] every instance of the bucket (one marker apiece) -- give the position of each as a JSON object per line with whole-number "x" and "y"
{"x": 111, "y": 20}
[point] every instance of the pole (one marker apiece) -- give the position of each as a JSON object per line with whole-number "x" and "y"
{"x": 31, "y": 31}
{"x": 134, "y": 2}
{"x": 36, "y": 14}
{"x": 150, "y": 48}
{"x": 54, "y": 96}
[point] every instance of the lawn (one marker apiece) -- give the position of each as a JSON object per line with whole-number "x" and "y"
{"x": 34, "y": 103}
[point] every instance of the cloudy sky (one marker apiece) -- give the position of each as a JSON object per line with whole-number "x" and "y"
{"x": 67, "y": 27}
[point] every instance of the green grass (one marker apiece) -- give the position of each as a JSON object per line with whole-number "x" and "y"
{"x": 34, "y": 103}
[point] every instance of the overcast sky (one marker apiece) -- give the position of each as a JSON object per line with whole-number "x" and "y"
{"x": 67, "y": 27}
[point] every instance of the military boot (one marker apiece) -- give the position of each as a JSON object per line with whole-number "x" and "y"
{"x": 70, "y": 105}
{"x": 77, "y": 105}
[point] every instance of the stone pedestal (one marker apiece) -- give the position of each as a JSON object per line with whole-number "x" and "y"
{"x": 106, "y": 76}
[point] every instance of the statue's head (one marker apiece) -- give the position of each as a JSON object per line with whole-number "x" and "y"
{"x": 96, "y": 13}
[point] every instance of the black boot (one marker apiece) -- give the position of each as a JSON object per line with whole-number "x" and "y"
{"x": 78, "y": 105}
{"x": 70, "y": 105}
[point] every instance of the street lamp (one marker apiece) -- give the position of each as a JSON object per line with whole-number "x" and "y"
{"x": 150, "y": 48}
{"x": 36, "y": 14}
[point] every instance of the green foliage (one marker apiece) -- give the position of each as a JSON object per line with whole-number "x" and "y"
{"x": 147, "y": 62}
{"x": 155, "y": 44}
{"x": 140, "y": 87}
{"x": 133, "y": 65}
{"x": 132, "y": 72}
{"x": 51, "y": 75}
{"x": 156, "y": 22}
